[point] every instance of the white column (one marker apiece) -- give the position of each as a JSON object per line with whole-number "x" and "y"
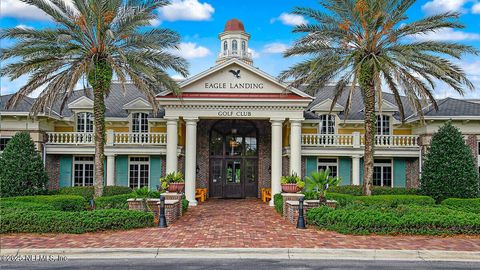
{"x": 356, "y": 170}
{"x": 190, "y": 159}
{"x": 172, "y": 145}
{"x": 296, "y": 146}
{"x": 110, "y": 170}
{"x": 277, "y": 125}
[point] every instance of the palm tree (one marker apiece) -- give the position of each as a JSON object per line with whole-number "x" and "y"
{"x": 93, "y": 41}
{"x": 370, "y": 43}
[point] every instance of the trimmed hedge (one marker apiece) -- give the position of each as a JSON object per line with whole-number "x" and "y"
{"x": 466, "y": 205}
{"x": 342, "y": 199}
{"x": 15, "y": 206}
{"x": 278, "y": 203}
{"x": 87, "y": 192}
{"x": 357, "y": 190}
{"x": 406, "y": 219}
{"x": 113, "y": 202}
{"x": 78, "y": 222}
{"x": 58, "y": 202}
{"x": 185, "y": 203}
{"x": 394, "y": 200}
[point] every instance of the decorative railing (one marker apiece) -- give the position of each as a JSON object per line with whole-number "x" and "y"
{"x": 70, "y": 138}
{"x": 356, "y": 140}
{"x": 113, "y": 138}
{"x": 235, "y": 53}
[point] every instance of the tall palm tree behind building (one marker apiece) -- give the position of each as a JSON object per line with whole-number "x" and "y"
{"x": 93, "y": 42}
{"x": 370, "y": 43}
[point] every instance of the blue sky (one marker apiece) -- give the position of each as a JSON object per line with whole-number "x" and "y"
{"x": 269, "y": 23}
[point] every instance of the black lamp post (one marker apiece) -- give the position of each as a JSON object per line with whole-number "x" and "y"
{"x": 301, "y": 219}
{"x": 162, "y": 220}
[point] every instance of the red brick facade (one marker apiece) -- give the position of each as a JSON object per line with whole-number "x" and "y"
{"x": 52, "y": 167}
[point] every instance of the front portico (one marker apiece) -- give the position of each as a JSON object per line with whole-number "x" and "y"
{"x": 234, "y": 90}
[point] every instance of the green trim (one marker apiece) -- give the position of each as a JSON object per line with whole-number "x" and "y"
{"x": 121, "y": 171}
{"x": 66, "y": 163}
{"x": 310, "y": 165}
{"x": 155, "y": 171}
{"x": 399, "y": 172}
{"x": 344, "y": 170}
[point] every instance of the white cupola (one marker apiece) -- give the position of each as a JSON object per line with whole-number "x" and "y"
{"x": 234, "y": 43}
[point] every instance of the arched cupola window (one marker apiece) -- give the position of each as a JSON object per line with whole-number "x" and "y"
{"x": 225, "y": 45}
{"x": 234, "y": 45}
{"x": 244, "y": 46}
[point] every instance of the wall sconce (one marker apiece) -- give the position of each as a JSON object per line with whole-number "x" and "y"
{"x": 197, "y": 169}
{"x": 270, "y": 169}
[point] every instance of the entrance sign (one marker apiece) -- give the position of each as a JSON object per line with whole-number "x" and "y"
{"x": 235, "y": 113}
{"x": 231, "y": 85}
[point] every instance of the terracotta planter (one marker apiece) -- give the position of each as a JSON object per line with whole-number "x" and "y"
{"x": 290, "y": 188}
{"x": 176, "y": 187}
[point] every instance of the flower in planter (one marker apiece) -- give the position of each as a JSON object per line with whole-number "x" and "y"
{"x": 173, "y": 177}
{"x": 319, "y": 182}
{"x": 291, "y": 183}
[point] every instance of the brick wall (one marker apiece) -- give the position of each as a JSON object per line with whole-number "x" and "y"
{"x": 412, "y": 173}
{"x": 52, "y": 167}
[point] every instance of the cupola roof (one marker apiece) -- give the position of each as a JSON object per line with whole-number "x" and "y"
{"x": 234, "y": 25}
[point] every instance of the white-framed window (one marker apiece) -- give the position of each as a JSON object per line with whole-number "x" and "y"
{"x": 140, "y": 122}
{"x": 234, "y": 45}
{"x": 84, "y": 122}
{"x": 383, "y": 173}
{"x": 244, "y": 46}
{"x": 3, "y": 143}
{"x": 83, "y": 171}
{"x": 138, "y": 172}
{"x": 225, "y": 46}
{"x": 327, "y": 124}
{"x": 330, "y": 163}
{"x": 383, "y": 124}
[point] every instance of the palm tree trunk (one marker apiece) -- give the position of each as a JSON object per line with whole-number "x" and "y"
{"x": 99, "y": 118}
{"x": 99, "y": 78}
{"x": 367, "y": 86}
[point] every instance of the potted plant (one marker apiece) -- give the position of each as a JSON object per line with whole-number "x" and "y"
{"x": 291, "y": 183}
{"x": 140, "y": 195}
{"x": 319, "y": 182}
{"x": 173, "y": 182}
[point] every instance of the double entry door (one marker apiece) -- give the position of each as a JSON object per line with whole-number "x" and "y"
{"x": 233, "y": 177}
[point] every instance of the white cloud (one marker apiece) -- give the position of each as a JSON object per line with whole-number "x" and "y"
{"x": 476, "y": 8}
{"x": 448, "y": 35}
{"x": 275, "y": 47}
{"x": 254, "y": 53}
{"x": 188, "y": 10}
{"x": 190, "y": 50}
{"x": 23, "y": 26}
{"x": 155, "y": 22}
{"x": 439, "y": 6}
{"x": 290, "y": 19}
{"x": 21, "y": 10}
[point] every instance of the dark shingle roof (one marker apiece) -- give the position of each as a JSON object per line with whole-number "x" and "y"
{"x": 454, "y": 107}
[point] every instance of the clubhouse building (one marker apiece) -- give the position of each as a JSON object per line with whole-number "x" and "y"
{"x": 233, "y": 130}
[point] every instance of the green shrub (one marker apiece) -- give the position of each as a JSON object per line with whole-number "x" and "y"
{"x": 449, "y": 169}
{"x": 58, "y": 202}
{"x": 113, "y": 202}
{"x": 357, "y": 190}
{"x": 69, "y": 222}
{"x": 16, "y": 206}
{"x": 406, "y": 219}
{"x": 342, "y": 199}
{"x": 278, "y": 203}
{"x": 394, "y": 200}
{"x": 466, "y": 205}
{"x": 315, "y": 214}
{"x": 21, "y": 168}
{"x": 87, "y": 192}
{"x": 116, "y": 190}
{"x": 184, "y": 205}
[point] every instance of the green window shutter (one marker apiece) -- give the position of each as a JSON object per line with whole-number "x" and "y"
{"x": 310, "y": 165}
{"x": 121, "y": 170}
{"x": 399, "y": 172}
{"x": 66, "y": 164}
{"x": 361, "y": 171}
{"x": 155, "y": 171}
{"x": 344, "y": 170}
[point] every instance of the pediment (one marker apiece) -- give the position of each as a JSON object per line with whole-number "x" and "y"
{"x": 81, "y": 103}
{"x": 235, "y": 76}
{"x": 137, "y": 104}
{"x": 325, "y": 105}
{"x": 386, "y": 107}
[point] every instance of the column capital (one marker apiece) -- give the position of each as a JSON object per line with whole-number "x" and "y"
{"x": 356, "y": 156}
{"x": 276, "y": 120}
{"x": 296, "y": 121}
{"x": 171, "y": 119}
{"x": 191, "y": 120}
{"x": 110, "y": 154}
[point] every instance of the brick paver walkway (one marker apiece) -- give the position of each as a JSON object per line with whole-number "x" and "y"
{"x": 235, "y": 223}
